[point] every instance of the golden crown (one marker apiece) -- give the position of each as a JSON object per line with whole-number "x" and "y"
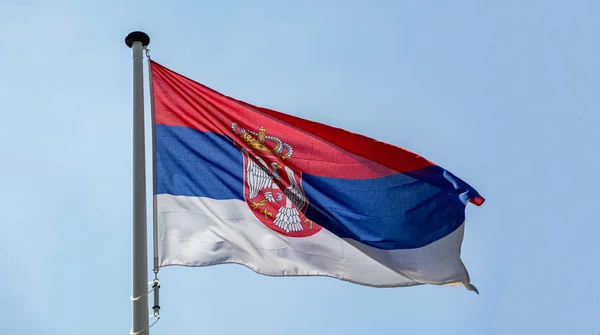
{"x": 262, "y": 142}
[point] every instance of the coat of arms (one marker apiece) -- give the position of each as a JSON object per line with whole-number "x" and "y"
{"x": 272, "y": 189}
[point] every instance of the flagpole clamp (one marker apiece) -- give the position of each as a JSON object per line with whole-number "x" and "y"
{"x": 156, "y": 289}
{"x": 156, "y": 308}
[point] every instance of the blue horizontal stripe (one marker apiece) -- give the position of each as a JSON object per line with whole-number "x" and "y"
{"x": 400, "y": 211}
{"x": 393, "y": 212}
{"x": 445, "y": 180}
{"x": 194, "y": 163}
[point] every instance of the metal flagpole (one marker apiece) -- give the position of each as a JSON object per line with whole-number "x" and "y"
{"x": 137, "y": 40}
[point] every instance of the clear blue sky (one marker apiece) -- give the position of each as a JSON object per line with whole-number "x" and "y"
{"x": 504, "y": 94}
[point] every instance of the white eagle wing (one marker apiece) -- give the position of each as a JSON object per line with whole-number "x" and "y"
{"x": 294, "y": 193}
{"x": 258, "y": 179}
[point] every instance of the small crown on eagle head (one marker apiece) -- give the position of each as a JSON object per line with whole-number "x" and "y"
{"x": 262, "y": 142}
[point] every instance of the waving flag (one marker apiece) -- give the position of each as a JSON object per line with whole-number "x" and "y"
{"x": 286, "y": 196}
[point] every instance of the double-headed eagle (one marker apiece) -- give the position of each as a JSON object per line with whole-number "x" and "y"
{"x": 264, "y": 178}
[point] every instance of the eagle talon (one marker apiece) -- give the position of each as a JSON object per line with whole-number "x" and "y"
{"x": 266, "y": 213}
{"x": 255, "y": 205}
{"x": 309, "y": 222}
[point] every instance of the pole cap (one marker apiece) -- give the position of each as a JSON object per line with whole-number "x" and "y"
{"x": 137, "y": 36}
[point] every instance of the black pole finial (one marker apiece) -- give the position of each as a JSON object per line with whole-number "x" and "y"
{"x": 137, "y": 36}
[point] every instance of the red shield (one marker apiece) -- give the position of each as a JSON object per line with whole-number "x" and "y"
{"x": 272, "y": 189}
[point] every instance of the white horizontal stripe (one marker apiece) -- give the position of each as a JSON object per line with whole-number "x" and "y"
{"x": 195, "y": 231}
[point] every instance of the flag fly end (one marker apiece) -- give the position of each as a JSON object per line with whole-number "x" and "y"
{"x": 471, "y": 287}
{"x": 478, "y": 201}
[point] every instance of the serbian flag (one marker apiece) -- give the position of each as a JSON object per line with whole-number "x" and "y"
{"x": 285, "y": 196}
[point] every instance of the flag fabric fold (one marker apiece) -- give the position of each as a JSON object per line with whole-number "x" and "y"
{"x": 285, "y": 196}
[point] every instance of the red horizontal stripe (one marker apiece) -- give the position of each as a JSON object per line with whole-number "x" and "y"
{"x": 318, "y": 149}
